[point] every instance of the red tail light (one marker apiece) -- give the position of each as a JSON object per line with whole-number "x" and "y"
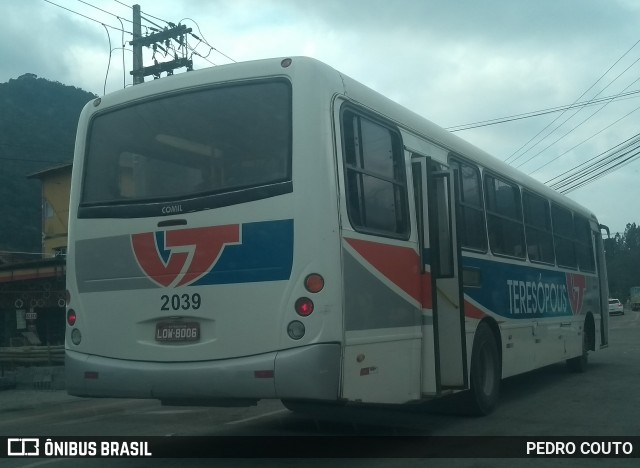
{"x": 314, "y": 283}
{"x": 71, "y": 317}
{"x": 304, "y": 306}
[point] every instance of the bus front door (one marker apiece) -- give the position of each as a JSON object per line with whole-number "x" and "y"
{"x": 444, "y": 343}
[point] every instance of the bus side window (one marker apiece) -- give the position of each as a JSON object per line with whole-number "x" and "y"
{"x": 584, "y": 244}
{"x": 376, "y": 187}
{"x": 537, "y": 220}
{"x": 504, "y": 217}
{"x": 563, "y": 235}
{"x": 473, "y": 233}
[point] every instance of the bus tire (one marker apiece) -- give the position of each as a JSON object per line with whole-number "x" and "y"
{"x": 486, "y": 373}
{"x": 579, "y": 363}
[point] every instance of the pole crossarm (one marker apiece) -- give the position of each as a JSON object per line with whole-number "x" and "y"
{"x": 162, "y": 67}
{"x": 161, "y": 36}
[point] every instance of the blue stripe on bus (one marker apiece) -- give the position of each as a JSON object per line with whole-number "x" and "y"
{"x": 524, "y": 291}
{"x": 265, "y": 254}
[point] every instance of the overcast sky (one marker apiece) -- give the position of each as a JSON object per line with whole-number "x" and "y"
{"x": 454, "y": 62}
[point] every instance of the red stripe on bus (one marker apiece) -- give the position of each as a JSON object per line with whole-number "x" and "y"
{"x": 472, "y": 311}
{"x": 401, "y": 265}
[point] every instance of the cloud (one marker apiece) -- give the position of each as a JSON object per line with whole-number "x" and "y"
{"x": 452, "y": 62}
{"x": 52, "y": 44}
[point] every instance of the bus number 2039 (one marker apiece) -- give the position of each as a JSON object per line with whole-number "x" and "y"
{"x": 180, "y": 301}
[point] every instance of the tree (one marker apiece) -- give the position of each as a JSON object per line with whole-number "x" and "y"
{"x": 623, "y": 261}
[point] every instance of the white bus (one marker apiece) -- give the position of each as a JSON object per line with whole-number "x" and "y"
{"x": 274, "y": 229}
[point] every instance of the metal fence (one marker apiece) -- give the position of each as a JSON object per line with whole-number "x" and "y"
{"x": 31, "y": 355}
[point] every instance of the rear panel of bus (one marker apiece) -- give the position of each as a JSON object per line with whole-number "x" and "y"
{"x": 203, "y": 247}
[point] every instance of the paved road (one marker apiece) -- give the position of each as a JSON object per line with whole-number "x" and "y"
{"x": 604, "y": 401}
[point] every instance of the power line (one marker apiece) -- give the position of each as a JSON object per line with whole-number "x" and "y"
{"x": 584, "y": 141}
{"x": 88, "y": 17}
{"x": 111, "y": 49}
{"x": 194, "y": 52}
{"x": 573, "y": 115}
{"x": 106, "y": 26}
{"x": 104, "y": 90}
{"x": 124, "y": 68}
{"x": 599, "y": 166}
{"x": 124, "y": 4}
{"x": 204, "y": 41}
{"x": 576, "y": 184}
{"x": 596, "y": 170}
{"x": 148, "y": 14}
{"x": 159, "y": 19}
{"x": 155, "y": 24}
{"x": 580, "y": 97}
{"x": 105, "y": 11}
{"x": 538, "y": 113}
{"x": 637, "y": 135}
{"x": 582, "y": 174}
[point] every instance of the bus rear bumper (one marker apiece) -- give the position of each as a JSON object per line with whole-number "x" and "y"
{"x": 310, "y": 372}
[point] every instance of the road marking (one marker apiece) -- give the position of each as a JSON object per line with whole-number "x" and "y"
{"x": 239, "y": 421}
{"x": 177, "y": 411}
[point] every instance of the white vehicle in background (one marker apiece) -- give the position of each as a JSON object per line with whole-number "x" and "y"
{"x": 615, "y": 307}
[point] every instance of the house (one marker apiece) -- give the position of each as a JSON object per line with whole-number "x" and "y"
{"x": 32, "y": 293}
{"x": 56, "y": 184}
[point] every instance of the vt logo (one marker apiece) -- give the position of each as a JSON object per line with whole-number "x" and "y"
{"x": 576, "y": 286}
{"x": 178, "y": 258}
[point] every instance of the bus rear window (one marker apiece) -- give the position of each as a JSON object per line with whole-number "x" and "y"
{"x": 189, "y": 146}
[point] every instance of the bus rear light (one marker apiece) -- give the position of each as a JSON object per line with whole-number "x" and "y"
{"x": 91, "y": 375}
{"x": 304, "y": 306}
{"x": 295, "y": 330}
{"x": 314, "y": 283}
{"x": 67, "y": 297}
{"x": 76, "y": 336}
{"x": 71, "y": 317}
{"x": 263, "y": 374}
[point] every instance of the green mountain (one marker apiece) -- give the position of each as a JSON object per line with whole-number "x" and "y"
{"x": 38, "y": 120}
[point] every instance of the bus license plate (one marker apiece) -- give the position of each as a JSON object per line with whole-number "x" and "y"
{"x": 177, "y": 331}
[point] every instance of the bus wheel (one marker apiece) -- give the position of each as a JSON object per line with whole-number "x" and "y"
{"x": 485, "y": 372}
{"x": 579, "y": 363}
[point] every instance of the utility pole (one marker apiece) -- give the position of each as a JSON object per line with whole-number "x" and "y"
{"x": 137, "y": 47}
{"x": 156, "y": 40}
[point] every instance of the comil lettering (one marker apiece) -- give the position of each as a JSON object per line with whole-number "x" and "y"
{"x": 172, "y": 209}
{"x": 536, "y": 297}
